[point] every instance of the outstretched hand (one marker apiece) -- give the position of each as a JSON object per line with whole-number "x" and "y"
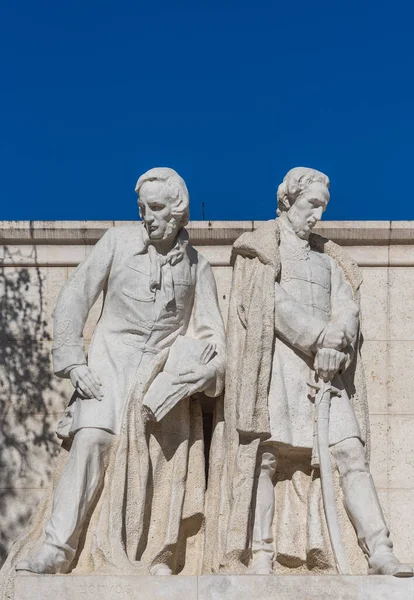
{"x": 200, "y": 378}
{"x": 86, "y": 382}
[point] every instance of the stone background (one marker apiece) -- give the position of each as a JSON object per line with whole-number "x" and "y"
{"x": 36, "y": 258}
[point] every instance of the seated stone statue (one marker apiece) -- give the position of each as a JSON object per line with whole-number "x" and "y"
{"x": 294, "y": 320}
{"x": 129, "y": 491}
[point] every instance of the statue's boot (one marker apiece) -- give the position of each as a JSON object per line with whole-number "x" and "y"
{"x": 262, "y": 563}
{"x": 384, "y": 564}
{"x": 49, "y": 560}
{"x": 365, "y": 512}
{"x": 74, "y": 495}
{"x": 160, "y": 570}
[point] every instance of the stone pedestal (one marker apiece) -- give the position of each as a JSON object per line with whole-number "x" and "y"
{"x": 212, "y": 587}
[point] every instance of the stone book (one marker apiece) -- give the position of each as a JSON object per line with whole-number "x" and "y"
{"x": 166, "y": 390}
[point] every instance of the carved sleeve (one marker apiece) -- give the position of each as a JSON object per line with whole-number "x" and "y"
{"x": 207, "y": 322}
{"x": 74, "y": 303}
{"x": 296, "y": 326}
{"x": 344, "y": 309}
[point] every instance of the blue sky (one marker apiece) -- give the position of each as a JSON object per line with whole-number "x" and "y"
{"x": 229, "y": 93}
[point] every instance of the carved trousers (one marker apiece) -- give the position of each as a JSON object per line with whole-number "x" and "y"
{"x": 360, "y": 498}
{"x": 77, "y": 487}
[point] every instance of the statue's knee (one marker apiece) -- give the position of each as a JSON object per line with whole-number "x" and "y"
{"x": 268, "y": 464}
{"x": 350, "y": 456}
{"x": 90, "y": 441}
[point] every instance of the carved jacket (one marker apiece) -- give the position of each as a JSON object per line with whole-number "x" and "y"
{"x": 310, "y": 292}
{"x": 253, "y": 325}
{"x": 148, "y": 302}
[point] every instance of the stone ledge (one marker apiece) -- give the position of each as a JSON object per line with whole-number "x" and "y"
{"x": 213, "y": 587}
{"x": 205, "y": 232}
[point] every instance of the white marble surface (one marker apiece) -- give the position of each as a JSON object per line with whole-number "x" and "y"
{"x": 384, "y": 249}
{"x": 156, "y": 337}
{"x": 218, "y": 587}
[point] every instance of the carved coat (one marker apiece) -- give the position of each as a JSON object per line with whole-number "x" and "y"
{"x": 256, "y": 391}
{"x": 152, "y": 506}
{"x": 146, "y": 307}
{"x": 312, "y": 290}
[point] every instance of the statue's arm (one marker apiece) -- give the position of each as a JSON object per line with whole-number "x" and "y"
{"x": 74, "y": 303}
{"x": 207, "y": 324}
{"x": 344, "y": 309}
{"x": 292, "y": 323}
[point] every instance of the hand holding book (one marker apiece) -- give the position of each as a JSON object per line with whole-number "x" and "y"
{"x": 186, "y": 372}
{"x": 199, "y": 378}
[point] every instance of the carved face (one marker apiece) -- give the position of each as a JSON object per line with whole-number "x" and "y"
{"x": 308, "y": 209}
{"x": 155, "y": 208}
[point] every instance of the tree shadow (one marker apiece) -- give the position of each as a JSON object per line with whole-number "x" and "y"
{"x": 28, "y": 393}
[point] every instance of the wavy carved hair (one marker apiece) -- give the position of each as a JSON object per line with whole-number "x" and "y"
{"x": 176, "y": 190}
{"x": 294, "y": 182}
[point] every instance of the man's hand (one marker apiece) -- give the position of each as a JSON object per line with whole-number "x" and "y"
{"x": 86, "y": 382}
{"x": 334, "y": 337}
{"x": 328, "y": 362}
{"x": 200, "y": 378}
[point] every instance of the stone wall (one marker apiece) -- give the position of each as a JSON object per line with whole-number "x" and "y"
{"x": 36, "y": 258}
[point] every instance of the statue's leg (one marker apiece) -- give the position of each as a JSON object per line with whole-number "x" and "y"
{"x": 364, "y": 509}
{"x": 264, "y": 510}
{"x": 75, "y": 491}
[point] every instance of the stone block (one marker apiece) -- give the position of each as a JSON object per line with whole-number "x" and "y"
{"x": 212, "y": 587}
{"x": 104, "y": 587}
{"x": 375, "y": 359}
{"x": 29, "y": 450}
{"x": 401, "y": 451}
{"x": 387, "y": 588}
{"x": 369, "y": 256}
{"x": 223, "y": 277}
{"x": 29, "y": 297}
{"x": 313, "y": 587}
{"x": 400, "y": 380}
{"x": 401, "y": 303}
{"x": 27, "y": 382}
{"x": 66, "y": 254}
{"x": 16, "y": 508}
{"x": 216, "y": 255}
{"x": 379, "y": 450}
{"x": 401, "y": 523}
{"x": 374, "y": 303}
{"x": 401, "y": 255}
{"x": 384, "y": 498}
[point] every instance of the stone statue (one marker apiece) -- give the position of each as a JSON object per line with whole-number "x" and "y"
{"x": 294, "y": 326}
{"x": 129, "y": 489}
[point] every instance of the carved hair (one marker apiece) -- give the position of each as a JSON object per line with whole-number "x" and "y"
{"x": 176, "y": 190}
{"x": 294, "y": 182}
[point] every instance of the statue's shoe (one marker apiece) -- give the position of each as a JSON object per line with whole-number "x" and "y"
{"x": 160, "y": 569}
{"x": 388, "y": 564}
{"x": 262, "y": 564}
{"x": 49, "y": 560}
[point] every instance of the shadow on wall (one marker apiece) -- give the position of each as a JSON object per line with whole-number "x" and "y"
{"x": 28, "y": 392}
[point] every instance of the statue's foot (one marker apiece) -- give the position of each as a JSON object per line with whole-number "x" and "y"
{"x": 160, "y": 570}
{"x": 262, "y": 563}
{"x": 388, "y": 564}
{"x": 49, "y": 560}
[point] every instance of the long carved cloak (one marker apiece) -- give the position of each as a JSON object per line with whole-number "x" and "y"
{"x": 299, "y": 525}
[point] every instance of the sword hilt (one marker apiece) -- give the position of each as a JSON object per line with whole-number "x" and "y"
{"x": 327, "y": 385}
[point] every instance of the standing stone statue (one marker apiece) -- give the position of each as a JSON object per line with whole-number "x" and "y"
{"x": 129, "y": 491}
{"x": 294, "y": 322}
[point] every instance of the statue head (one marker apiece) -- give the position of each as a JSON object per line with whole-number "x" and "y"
{"x": 304, "y": 196}
{"x": 163, "y": 202}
